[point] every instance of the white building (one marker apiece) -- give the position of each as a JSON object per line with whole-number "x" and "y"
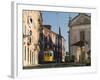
{"x": 80, "y": 37}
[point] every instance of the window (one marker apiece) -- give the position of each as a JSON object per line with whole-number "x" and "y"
{"x": 25, "y": 52}
{"x": 82, "y": 35}
{"x": 30, "y": 40}
{"x": 30, "y": 56}
{"x": 30, "y": 32}
{"x": 28, "y": 53}
{"x": 39, "y": 20}
{"x": 30, "y": 21}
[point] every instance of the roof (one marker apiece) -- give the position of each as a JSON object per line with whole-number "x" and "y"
{"x": 47, "y": 26}
{"x": 80, "y": 19}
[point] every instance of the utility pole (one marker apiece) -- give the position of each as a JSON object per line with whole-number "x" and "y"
{"x": 69, "y": 37}
{"x": 69, "y": 33}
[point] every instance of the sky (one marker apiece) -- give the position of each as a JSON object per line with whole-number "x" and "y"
{"x": 56, "y": 20}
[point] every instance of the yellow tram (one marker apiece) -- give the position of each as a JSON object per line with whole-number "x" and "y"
{"x": 48, "y": 56}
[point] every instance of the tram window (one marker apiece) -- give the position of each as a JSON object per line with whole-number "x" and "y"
{"x": 50, "y": 54}
{"x": 45, "y": 54}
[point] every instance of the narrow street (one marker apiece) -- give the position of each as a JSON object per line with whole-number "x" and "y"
{"x": 48, "y": 46}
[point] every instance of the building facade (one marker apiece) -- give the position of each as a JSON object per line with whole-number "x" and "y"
{"x": 32, "y": 21}
{"x": 80, "y": 37}
{"x": 50, "y": 40}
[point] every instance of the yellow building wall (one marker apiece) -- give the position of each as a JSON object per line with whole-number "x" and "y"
{"x": 31, "y": 22}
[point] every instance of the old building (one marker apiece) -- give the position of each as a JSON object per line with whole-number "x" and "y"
{"x": 32, "y": 22}
{"x": 52, "y": 41}
{"x": 80, "y": 37}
